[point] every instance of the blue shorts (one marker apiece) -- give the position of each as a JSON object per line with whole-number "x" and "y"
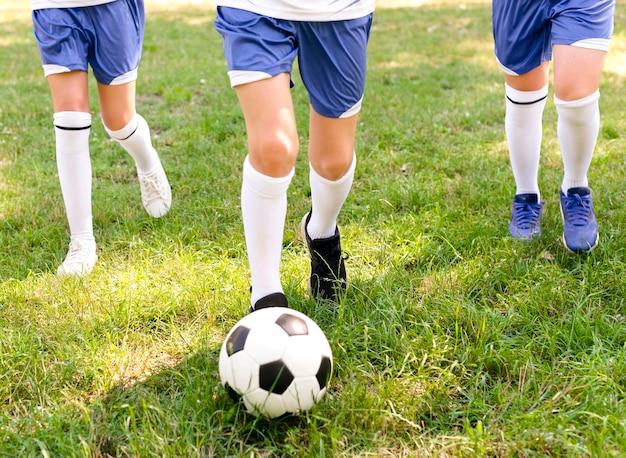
{"x": 108, "y": 37}
{"x": 524, "y": 31}
{"x": 331, "y": 55}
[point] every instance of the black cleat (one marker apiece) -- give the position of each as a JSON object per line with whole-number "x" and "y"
{"x": 327, "y": 279}
{"x": 271, "y": 300}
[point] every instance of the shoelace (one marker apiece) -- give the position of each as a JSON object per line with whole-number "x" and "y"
{"x": 152, "y": 187}
{"x": 578, "y": 209}
{"x": 328, "y": 266}
{"x": 526, "y": 214}
{"x": 78, "y": 254}
{"x": 327, "y": 254}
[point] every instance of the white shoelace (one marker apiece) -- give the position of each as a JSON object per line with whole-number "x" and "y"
{"x": 152, "y": 187}
{"x": 156, "y": 195}
{"x": 80, "y": 258}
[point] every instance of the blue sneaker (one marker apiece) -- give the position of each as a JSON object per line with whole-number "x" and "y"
{"x": 580, "y": 229}
{"x": 525, "y": 220}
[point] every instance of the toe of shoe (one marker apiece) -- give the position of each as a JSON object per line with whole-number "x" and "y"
{"x": 158, "y": 208}
{"x": 581, "y": 242}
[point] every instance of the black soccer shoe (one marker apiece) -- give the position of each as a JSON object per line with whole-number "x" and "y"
{"x": 271, "y": 300}
{"x": 327, "y": 278}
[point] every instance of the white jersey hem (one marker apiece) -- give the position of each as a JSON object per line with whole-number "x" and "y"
{"x": 297, "y": 11}
{"x": 45, "y": 4}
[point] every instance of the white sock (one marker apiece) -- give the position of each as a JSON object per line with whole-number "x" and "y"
{"x": 264, "y": 208}
{"x": 135, "y": 139}
{"x": 524, "y": 131}
{"x": 327, "y": 198}
{"x": 577, "y": 129}
{"x": 72, "y": 130}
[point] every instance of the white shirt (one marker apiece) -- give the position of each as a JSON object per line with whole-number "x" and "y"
{"x": 42, "y": 4}
{"x": 305, "y": 10}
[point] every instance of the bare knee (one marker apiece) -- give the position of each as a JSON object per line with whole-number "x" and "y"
{"x": 332, "y": 166}
{"x": 274, "y": 155}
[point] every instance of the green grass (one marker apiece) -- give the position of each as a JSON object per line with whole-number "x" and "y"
{"x": 453, "y": 341}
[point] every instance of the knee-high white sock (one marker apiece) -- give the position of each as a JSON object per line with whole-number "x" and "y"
{"x": 524, "y": 132}
{"x": 577, "y": 128}
{"x": 327, "y": 198}
{"x": 264, "y": 208}
{"x": 72, "y": 130}
{"x": 135, "y": 139}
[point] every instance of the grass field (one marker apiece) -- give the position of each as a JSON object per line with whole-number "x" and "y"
{"x": 453, "y": 341}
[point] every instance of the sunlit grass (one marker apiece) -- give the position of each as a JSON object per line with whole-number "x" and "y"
{"x": 453, "y": 340}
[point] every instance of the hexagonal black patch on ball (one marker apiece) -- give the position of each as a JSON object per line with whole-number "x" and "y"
{"x": 323, "y": 373}
{"x": 292, "y": 325}
{"x": 275, "y": 377}
{"x": 237, "y": 340}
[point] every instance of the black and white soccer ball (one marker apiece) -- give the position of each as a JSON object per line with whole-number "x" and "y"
{"x": 276, "y": 361}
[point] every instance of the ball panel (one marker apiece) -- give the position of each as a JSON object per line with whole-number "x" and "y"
{"x": 266, "y": 343}
{"x": 236, "y": 339}
{"x": 315, "y": 332}
{"x": 293, "y": 325}
{"x": 243, "y": 374}
{"x": 275, "y": 377}
{"x": 302, "y": 356}
{"x": 321, "y": 341}
{"x": 261, "y": 403}
{"x": 325, "y": 371}
{"x": 302, "y": 394}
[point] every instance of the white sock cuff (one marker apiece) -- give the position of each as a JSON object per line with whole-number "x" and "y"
{"x": 263, "y": 185}
{"x": 127, "y": 130}
{"x": 347, "y": 176}
{"x": 72, "y": 120}
{"x": 525, "y": 97}
{"x": 580, "y": 103}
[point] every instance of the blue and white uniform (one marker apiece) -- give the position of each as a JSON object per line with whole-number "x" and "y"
{"x": 305, "y": 10}
{"x": 104, "y": 34}
{"x": 43, "y": 4}
{"x": 329, "y": 38}
{"x": 525, "y": 30}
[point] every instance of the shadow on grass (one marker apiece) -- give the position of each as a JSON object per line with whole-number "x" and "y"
{"x": 184, "y": 411}
{"x": 430, "y": 329}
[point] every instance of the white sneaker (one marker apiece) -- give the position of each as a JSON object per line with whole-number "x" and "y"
{"x": 80, "y": 259}
{"x": 156, "y": 194}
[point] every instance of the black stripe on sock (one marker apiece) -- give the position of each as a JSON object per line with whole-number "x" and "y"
{"x": 133, "y": 133}
{"x": 73, "y": 128}
{"x": 526, "y": 103}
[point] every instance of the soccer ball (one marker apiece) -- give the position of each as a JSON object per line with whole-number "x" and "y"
{"x": 276, "y": 361}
